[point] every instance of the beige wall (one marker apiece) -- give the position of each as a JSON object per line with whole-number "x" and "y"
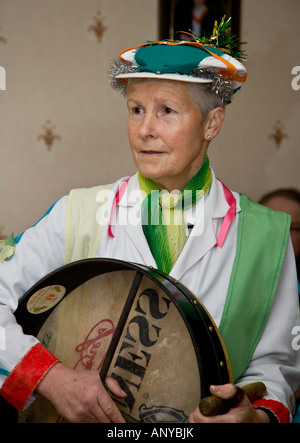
{"x": 56, "y": 70}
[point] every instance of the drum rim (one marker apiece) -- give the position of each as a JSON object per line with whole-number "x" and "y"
{"x": 197, "y": 320}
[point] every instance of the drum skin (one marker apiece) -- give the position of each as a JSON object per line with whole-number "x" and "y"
{"x": 165, "y": 351}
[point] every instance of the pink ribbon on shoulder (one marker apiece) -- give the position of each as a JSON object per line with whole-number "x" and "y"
{"x": 228, "y": 219}
{"x": 117, "y": 199}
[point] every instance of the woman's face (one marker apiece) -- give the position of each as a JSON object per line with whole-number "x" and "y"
{"x": 166, "y": 132}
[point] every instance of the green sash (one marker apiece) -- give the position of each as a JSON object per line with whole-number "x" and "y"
{"x": 261, "y": 244}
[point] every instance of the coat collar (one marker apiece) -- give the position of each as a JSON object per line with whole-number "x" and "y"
{"x": 213, "y": 206}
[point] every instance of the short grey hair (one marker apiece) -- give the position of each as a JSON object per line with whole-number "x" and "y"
{"x": 217, "y": 92}
{"x": 205, "y": 98}
{"x": 200, "y": 93}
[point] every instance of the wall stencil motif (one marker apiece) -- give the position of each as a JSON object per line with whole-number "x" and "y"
{"x": 2, "y": 39}
{"x": 98, "y": 27}
{"x": 48, "y": 136}
{"x": 278, "y": 135}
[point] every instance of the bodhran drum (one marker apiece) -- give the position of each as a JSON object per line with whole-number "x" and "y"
{"x": 134, "y": 323}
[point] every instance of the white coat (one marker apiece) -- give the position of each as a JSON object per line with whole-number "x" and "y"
{"x": 203, "y": 268}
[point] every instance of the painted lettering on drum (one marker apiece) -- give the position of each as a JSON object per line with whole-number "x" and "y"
{"x": 142, "y": 330}
{"x": 153, "y": 300}
{"x": 89, "y": 348}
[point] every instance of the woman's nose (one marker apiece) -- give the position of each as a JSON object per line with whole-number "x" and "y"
{"x": 148, "y": 126}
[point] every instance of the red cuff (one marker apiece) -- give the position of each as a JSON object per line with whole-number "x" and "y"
{"x": 280, "y": 411}
{"x": 26, "y": 375}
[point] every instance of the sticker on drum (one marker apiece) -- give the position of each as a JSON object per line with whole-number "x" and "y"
{"x": 45, "y": 299}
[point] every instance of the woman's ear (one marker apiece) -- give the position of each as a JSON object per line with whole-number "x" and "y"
{"x": 213, "y": 123}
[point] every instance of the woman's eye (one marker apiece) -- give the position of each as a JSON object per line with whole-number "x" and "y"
{"x": 136, "y": 110}
{"x": 168, "y": 110}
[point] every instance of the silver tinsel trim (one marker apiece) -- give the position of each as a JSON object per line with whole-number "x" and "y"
{"x": 218, "y": 85}
{"x": 117, "y": 68}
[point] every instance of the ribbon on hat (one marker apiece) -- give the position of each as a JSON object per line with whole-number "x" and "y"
{"x": 230, "y": 71}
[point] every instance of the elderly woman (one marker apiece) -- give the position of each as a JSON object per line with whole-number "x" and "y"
{"x": 237, "y": 259}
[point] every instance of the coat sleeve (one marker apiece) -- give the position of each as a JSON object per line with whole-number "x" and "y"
{"x": 40, "y": 250}
{"x": 276, "y": 361}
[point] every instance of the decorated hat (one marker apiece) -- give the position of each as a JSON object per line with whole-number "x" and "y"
{"x": 214, "y": 60}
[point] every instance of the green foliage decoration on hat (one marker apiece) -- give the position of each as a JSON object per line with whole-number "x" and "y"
{"x": 221, "y": 38}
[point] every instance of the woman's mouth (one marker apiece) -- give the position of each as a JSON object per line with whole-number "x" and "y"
{"x": 152, "y": 152}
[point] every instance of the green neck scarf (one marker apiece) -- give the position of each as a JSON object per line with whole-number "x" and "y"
{"x": 163, "y": 216}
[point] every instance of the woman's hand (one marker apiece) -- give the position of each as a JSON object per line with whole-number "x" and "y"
{"x": 80, "y": 397}
{"x": 243, "y": 412}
